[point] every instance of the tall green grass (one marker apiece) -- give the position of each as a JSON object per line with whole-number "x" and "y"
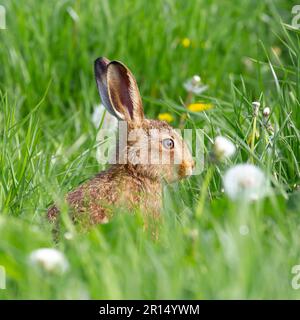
{"x": 244, "y": 52}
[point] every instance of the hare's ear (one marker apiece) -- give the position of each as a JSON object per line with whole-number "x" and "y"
{"x": 123, "y": 93}
{"x": 100, "y": 69}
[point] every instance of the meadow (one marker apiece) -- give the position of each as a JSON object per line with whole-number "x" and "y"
{"x": 243, "y": 51}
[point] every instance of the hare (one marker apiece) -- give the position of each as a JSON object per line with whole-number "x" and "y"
{"x": 133, "y": 183}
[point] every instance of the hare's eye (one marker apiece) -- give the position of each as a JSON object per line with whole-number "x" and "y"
{"x": 168, "y": 143}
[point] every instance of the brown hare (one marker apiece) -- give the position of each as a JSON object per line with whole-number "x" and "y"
{"x": 133, "y": 181}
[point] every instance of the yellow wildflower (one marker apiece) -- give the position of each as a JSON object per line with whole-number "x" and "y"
{"x": 165, "y": 117}
{"x": 198, "y": 107}
{"x": 186, "y": 42}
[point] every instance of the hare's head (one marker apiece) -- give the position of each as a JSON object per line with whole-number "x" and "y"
{"x": 151, "y": 147}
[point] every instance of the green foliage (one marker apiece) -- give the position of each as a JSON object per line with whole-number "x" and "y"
{"x": 243, "y": 52}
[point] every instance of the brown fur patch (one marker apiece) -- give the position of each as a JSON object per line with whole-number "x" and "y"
{"x": 122, "y": 185}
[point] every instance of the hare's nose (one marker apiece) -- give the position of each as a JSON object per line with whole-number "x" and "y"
{"x": 186, "y": 168}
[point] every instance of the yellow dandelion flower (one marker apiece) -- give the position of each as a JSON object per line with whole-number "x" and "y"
{"x": 165, "y": 117}
{"x": 198, "y": 107}
{"x": 186, "y": 42}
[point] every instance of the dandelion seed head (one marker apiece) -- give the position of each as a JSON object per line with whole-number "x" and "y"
{"x": 245, "y": 181}
{"x": 266, "y": 112}
{"x": 50, "y": 260}
{"x": 196, "y": 79}
{"x": 223, "y": 148}
{"x": 194, "y": 85}
{"x": 255, "y": 106}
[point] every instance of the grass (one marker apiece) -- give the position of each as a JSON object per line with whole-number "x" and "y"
{"x": 244, "y": 52}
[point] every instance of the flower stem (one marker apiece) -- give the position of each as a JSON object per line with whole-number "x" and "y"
{"x": 253, "y": 138}
{"x": 204, "y": 191}
{"x": 188, "y": 100}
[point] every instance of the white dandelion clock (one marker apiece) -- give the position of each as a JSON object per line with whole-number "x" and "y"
{"x": 223, "y": 148}
{"x": 194, "y": 85}
{"x": 50, "y": 260}
{"x": 266, "y": 112}
{"x": 255, "y": 106}
{"x": 246, "y": 182}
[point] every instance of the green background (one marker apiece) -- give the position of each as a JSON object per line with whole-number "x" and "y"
{"x": 243, "y": 51}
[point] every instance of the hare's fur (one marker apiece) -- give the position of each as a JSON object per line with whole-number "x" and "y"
{"x": 128, "y": 185}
